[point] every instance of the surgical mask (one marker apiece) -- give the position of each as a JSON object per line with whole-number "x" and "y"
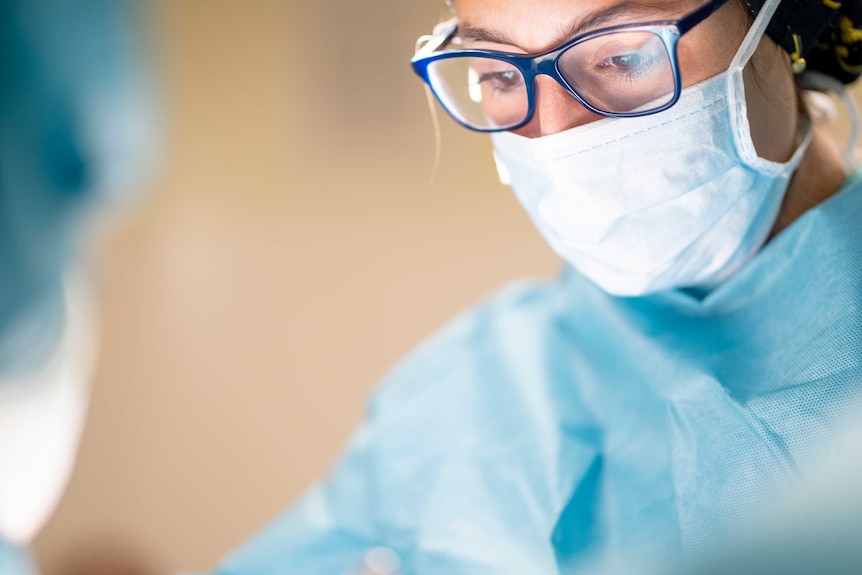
{"x": 641, "y": 205}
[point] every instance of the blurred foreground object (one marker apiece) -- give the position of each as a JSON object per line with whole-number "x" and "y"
{"x": 818, "y": 532}
{"x": 76, "y": 130}
{"x": 814, "y": 529}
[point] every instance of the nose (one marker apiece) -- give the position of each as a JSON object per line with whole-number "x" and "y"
{"x": 556, "y": 110}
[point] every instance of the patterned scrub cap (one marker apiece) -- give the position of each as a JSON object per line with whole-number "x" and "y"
{"x": 820, "y": 35}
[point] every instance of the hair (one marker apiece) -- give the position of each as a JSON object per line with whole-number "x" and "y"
{"x": 744, "y": 5}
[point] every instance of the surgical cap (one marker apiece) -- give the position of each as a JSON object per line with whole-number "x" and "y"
{"x": 826, "y": 33}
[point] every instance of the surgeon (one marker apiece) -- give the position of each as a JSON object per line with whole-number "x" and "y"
{"x": 701, "y": 348}
{"x": 77, "y": 135}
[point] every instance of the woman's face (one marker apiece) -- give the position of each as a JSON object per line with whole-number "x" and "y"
{"x": 533, "y": 26}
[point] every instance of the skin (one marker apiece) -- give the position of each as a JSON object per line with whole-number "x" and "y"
{"x": 534, "y": 26}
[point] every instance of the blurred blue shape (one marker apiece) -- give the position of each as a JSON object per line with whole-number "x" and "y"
{"x": 14, "y": 561}
{"x": 556, "y": 428}
{"x": 76, "y": 121}
{"x": 816, "y": 529}
{"x": 77, "y": 131}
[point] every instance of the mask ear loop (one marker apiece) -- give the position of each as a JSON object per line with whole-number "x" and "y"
{"x": 755, "y": 33}
{"x": 739, "y": 112}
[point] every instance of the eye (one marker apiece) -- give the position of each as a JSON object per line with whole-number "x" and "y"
{"x": 502, "y": 79}
{"x": 628, "y": 56}
{"x": 625, "y": 62}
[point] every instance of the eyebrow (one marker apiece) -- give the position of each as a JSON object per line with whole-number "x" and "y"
{"x": 472, "y": 33}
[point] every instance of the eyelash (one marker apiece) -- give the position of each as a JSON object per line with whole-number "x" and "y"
{"x": 491, "y": 76}
{"x": 647, "y": 64}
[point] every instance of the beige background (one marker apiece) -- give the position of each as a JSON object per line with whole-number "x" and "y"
{"x": 291, "y": 251}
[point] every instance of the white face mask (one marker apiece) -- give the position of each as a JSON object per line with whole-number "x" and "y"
{"x": 641, "y": 205}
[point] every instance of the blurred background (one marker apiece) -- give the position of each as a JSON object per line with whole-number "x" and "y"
{"x": 291, "y": 249}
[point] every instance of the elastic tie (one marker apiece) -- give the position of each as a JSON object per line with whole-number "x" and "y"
{"x": 796, "y": 60}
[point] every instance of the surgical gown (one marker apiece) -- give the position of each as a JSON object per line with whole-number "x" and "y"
{"x": 556, "y": 426}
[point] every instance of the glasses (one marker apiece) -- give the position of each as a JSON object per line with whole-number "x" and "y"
{"x": 621, "y": 72}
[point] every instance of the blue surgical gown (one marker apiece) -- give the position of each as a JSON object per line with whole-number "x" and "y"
{"x": 555, "y": 425}
{"x": 14, "y": 561}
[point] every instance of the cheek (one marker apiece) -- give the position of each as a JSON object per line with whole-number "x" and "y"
{"x": 773, "y": 103}
{"x": 699, "y": 61}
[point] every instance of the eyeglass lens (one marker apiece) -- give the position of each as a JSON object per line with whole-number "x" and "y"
{"x": 618, "y": 73}
{"x": 481, "y": 92}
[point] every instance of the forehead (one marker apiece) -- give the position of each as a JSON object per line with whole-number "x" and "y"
{"x": 535, "y": 25}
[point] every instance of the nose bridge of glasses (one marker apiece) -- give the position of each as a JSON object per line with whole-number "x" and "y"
{"x": 546, "y": 65}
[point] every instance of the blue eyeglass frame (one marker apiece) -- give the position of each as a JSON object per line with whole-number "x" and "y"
{"x": 547, "y": 63}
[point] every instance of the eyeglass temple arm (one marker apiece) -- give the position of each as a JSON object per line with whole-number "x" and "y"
{"x": 443, "y": 33}
{"x": 699, "y": 15}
